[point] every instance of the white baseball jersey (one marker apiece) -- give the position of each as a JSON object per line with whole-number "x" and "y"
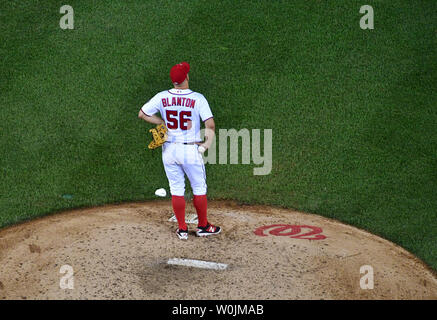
{"x": 182, "y": 111}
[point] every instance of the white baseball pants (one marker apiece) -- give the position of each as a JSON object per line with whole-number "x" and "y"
{"x": 180, "y": 159}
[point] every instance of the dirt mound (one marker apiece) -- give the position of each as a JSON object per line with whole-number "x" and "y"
{"x": 121, "y": 252}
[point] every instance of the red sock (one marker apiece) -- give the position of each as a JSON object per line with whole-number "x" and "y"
{"x": 178, "y": 203}
{"x": 201, "y": 205}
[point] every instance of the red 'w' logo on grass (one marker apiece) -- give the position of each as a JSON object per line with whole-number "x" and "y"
{"x": 292, "y": 231}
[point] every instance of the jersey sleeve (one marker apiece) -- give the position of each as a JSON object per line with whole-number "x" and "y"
{"x": 204, "y": 110}
{"x": 151, "y": 107}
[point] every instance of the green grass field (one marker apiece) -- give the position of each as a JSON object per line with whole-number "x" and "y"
{"x": 353, "y": 112}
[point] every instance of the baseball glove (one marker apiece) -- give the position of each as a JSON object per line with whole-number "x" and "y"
{"x": 159, "y": 135}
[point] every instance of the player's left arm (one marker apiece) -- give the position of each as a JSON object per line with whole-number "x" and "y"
{"x": 151, "y": 119}
{"x": 148, "y": 111}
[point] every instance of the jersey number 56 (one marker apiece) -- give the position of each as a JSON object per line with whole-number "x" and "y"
{"x": 174, "y": 121}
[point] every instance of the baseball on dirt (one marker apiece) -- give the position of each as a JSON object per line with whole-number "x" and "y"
{"x": 161, "y": 192}
{"x": 202, "y": 149}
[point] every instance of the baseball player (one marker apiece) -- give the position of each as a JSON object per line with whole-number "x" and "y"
{"x": 181, "y": 110}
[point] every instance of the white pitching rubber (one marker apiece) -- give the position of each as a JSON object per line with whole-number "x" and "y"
{"x": 197, "y": 264}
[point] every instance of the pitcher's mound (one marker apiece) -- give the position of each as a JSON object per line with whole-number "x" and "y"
{"x": 123, "y": 252}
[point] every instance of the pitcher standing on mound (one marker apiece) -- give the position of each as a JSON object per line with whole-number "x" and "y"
{"x": 182, "y": 110}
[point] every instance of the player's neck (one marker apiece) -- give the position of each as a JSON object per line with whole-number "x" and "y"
{"x": 184, "y": 87}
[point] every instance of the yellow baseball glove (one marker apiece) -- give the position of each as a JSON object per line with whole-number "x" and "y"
{"x": 159, "y": 136}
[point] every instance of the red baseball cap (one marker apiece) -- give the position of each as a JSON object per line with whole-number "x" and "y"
{"x": 178, "y": 73}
